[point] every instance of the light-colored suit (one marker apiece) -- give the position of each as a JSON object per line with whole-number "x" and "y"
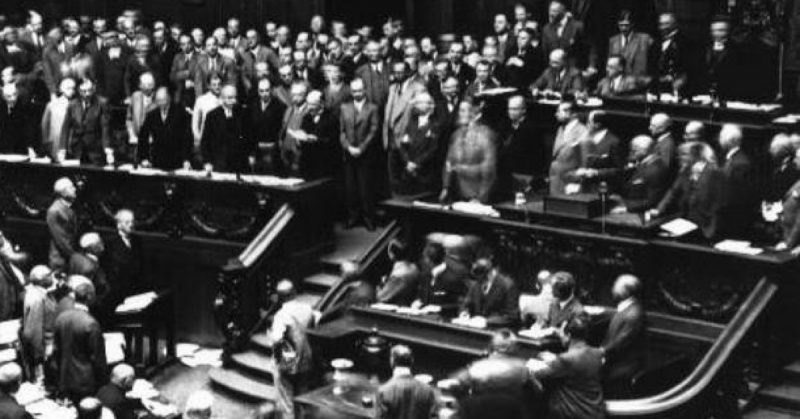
{"x": 566, "y": 154}
{"x": 636, "y": 52}
{"x": 401, "y": 97}
{"x": 137, "y": 111}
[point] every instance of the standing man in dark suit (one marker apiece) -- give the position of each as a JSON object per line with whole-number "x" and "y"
{"x": 86, "y": 127}
{"x": 318, "y": 140}
{"x": 86, "y": 263}
{"x": 62, "y": 224}
{"x": 266, "y": 118}
{"x": 54, "y": 55}
{"x": 79, "y": 348}
{"x": 573, "y": 378}
{"x": 493, "y": 296}
{"x": 624, "y": 344}
{"x": 110, "y": 65}
{"x": 182, "y": 72}
{"x": 306, "y": 73}
{"x": 601, "y": 155}
{"x": 359, "y": 122}
{"x": 112, "y": 395}
{"x": 165, "y": 139}
{"x": 10, "y": 380}
{"x": 226, "y": 144}
{"x": 566, "y": 33}
{"x": 661, "y": 130}
{"x": 522, "y": 150}
{"x": 403, "y": 396}
{"x": 142, "y": 61}
{"x": 17, "y": 127}
{"x": 375, "y": 75}
{"x": 458, "y": 68}
{"x": 724, "y": 63}
{"x": 646, "y": 177}
{"x": 123, "y": 260}
{"x": 675, "y": 54}
{"x": 741, "y": 200}
{"x": 566, "y": 147}
{"x": 634, "y": 47}
{"x": 506, "y": 42}
{"x": 526, "y": 62}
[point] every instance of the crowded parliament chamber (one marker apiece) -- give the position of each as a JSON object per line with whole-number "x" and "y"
{"x": 399, "y": 209}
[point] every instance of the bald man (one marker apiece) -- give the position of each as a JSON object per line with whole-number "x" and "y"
{"x": 741, "y": 196}
{"x": 318, "y": 147}
{"x": 62, "y": 224}
{"x": 694, "y": 131}
{"x": 646, "y": 177}
{"x": 142, "y": 101}
{"x": 112, "y": 395}
{"x": 227, "y": 144}
{"x": 10, "y": 380}
{"x": 165, "y": 140}
{"x": 86, "y": 263}
{"x": 403, "y": 396}
{"x": 624, "y": 345}
{"x": 559, "y": 77}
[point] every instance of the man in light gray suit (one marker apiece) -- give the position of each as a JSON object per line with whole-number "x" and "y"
{"x": 401, "y": 95}
{"x": 566, "y": 149}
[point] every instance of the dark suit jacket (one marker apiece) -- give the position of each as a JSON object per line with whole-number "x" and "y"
{"x": 574, "y": 379}
{"x": 637, "y": 52}
{"x": 665, "y": 150}
{"x": 500, "y": 305}
{"x": 87, "y": 131}
{"x": 266, "y": 124}
{"x": 557, "y": 316}
{"x": 227, "y": 143}
{"x": 465, "y": 75}
{"x": 522, "y": 77}
{"x": 17, "y": 129}
{"x": 82, "y": 264}
{"x": 359, "y": 129}
{"x": 572, "y": 40}
{"x": 446, "y": 290}
{"x": 182, "y": 69}
{"x": 422, "y": 149}
{"x": 628, "y": 86}
{"x": 741, "y": 201}
{"x": 134, "y": 68}
{"x": 571, "y": 82}
{"x": 698, "y": 202}
{"x": 677, "y": 59}
{"x": 319, "y": 159}
{"x": 624, "y": 343}
{"x": 111, "y": 77}
{"x": 645, "y": 185}
{"x": 376, "y": 84}
{"x": 63, "y": 226}
{"x": 225, "y": 67}
{"x": 10, "y": 409}
{"x": 124, "y": 267}
{"x": 166, "y": 144}
{"x": 522, "y": 151}
{"x": 404, "y": 397}
{"x": 114, "y": 399}
{"x": 723, "y": 70}
{"x": 80, "y": 352}
{"x": 311, "y": 76}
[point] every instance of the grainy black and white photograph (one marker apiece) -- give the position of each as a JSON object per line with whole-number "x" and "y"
{"x": 399, "y": 209}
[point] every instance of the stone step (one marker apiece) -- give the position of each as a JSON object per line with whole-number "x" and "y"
{"x": 242, "y": 385}
{"x": 349, "y": 245}
{"x": 766, "y": 413}
{"x": 783, "y": 396}
{"x": 320, "y": 281}
{"x": 261, "y": 343}
{"x": 255, "y": 363}
{"x": 791, "y": 372}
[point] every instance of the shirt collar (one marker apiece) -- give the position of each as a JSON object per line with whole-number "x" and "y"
{"x": 624, "y": 304}
{"x": 401, "y": 372}
{"x": 563, "y": 304}
{"x": 731, "y": 153}
{"x": 81, "y": 306}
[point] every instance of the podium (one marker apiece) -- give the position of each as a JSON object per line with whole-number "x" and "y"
{"x": 148, "y": 321}
{"x": 582, "y": 206}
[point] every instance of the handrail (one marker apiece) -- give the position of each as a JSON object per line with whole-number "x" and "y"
{"x": 364, "y": 262}
{"x": 266, "y": 237}
{"x": 709, "y": 367}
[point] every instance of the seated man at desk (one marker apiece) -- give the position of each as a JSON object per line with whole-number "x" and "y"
{"x": 617, "y": 82}
{"x": 565, "y": 306}
{"x": 400, "y": 286}
{"x": 645, "y": 178}
{"x": 560, "y": 77}
{"x": 493, "y": 297}
{"x": 439, "y": 285}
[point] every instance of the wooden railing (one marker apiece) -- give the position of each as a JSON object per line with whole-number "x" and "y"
{"x": 691, "y": 397}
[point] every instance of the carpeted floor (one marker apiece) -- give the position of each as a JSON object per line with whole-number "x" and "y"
{"x": 178, "y": 381}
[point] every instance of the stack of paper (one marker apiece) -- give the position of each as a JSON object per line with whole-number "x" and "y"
{"x": 475, "y": 208}
{"x": 738, "y": 246}
{"x": 201, "y": 356}
{"x": 13, "y": 158}
{"x": 137, "y": 302}
{"x": 475, "y": 322}
{"x": 115, "y": 347}
{"x": 679, "y": 227}
{"x": 142, "y": 389}
{"x": 429, "y": 205}
{"x": 9, "y": 331}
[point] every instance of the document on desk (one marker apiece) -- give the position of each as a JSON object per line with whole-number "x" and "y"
{"x": 115, "y": 347}
{"x": 137, "y": 302}
{"x": 738, "y": 246}
{"x": 679, "y": 227}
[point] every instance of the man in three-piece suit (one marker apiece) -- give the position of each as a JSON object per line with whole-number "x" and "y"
{"x": 525, "y": 63}
{"x": 86, "y": 127}
{"x": 741, "y": 199}
{"x": 181, "y": 73}
{"x": 675, "y": 57}
{"x": 79, "y": 348}
{"x": 601, "y": 156}
{"x": 617, "y": 82}
{"x": 403, "y": 396}
{"x": 566, "y": 148}
{"x": 62, "y": 224}
{"x": 401, "y": 95}
{"x": 624, "y": 343}
{"x": 458, "y": 68}
{"x": 647, "y": 177}
{"x": 559, "y": 77}
{"x": 359, "y": 123}
{"x": 165, "y": 139}
{"x": 723, "y": 62}
{"x": 17, "y": 127}
{"x": 375, "y": 74}
{"x": 633, "y": 47}
{"x": 493, "y": 296}
{"x": 227, "y": 145}
{"x": 266, "y": 117}
{"x": 318, "y": 149}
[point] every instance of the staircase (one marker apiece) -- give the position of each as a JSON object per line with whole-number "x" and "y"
{"x": 781, "y": 399}
{"x": 249, "y": 375}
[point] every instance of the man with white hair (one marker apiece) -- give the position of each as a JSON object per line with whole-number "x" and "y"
{"x": 559, "y": 77}
{"x": 227, "y": 145}
{"x": 38, "y": 318}
{"x": 660, "y": 129}
{"x": 413, "y": 155}
{"x": 55, "y": 114}
{"x": 141, "y": 102}
{"x": 112, "y": 395}
{"x": 317, "y": 142}
{"x": 741, "y": 199}
{"x": 646, "y": 176}
{"x": 10, "y": 380}
{"x": 17, "y": 127}
{"x": 624, "y": 344}
{"x": 292, "y": 120}
{"x": 199, "y": 405}
{"x": 124, "y": 262}
{"x": 87, "y": 263}
{"x": 63, "y": 224}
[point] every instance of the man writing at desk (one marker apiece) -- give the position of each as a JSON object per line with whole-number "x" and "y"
{"x": 493, "y": 297}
